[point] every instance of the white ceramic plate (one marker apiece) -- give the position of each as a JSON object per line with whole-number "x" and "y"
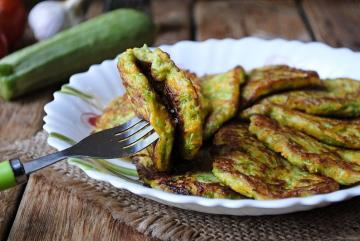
{"x": 70, "y": 115}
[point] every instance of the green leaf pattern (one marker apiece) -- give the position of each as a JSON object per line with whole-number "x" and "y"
{"x": 90, "y": 99}
{"x": 87, "y": 164}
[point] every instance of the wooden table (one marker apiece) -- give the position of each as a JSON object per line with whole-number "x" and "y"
{"x": 25, "y": 216}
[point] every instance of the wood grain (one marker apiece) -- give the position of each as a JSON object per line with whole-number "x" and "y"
{"x": 236, "y": 19}
{"x": 47, "y": 213}
{"x": 19, "y": 119}
{"x": 9, "y": 202}
{"x": 335, "y": 22}
{"x": 173, "y": 19}
{"x": 23, "y": 117}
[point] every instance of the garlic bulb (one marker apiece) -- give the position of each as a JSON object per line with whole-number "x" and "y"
{"x": 50, "y": 17}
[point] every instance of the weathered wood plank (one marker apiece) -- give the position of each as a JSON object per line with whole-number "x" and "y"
{"x": 9, "y": 201}
{"x": 22, "y": 118}
{"x": 334, "y": 22}
{"x": 19, "y": 119}
{"x": 173, "y": 19}
{"x": 264, "y": 18}
{"x": 47, "y": 213}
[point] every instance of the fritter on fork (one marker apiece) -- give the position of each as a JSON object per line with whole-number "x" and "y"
{"x": 148, "y": 105}
{"x": 180, "y": 95}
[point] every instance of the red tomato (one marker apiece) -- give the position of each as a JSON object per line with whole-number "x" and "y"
{"x": 3, "y": 45}
{"x": 12, "y": 19}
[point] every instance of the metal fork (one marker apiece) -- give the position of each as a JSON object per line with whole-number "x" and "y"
{"x": 120, "y": 141}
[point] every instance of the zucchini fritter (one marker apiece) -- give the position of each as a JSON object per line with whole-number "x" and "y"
{"x": 203, "y": 184}
{"x": 250, "y": 168}
{"x": 116, "y": 113}
{"x": 275, "y": 78}
{"x": 204, "y": 103}
{"x": 181, "y": 95}
{"x": 199, "y": 181}
{"x": 340, "y": 99}
{"x": 147, "y": 105}
{"x": 222, "y": 91}
{"x": 306, "y": 152}
{"x": 343, "y": 86}
{"x": 337, "y": 132}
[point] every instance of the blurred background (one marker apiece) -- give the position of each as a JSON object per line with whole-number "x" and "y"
{"x": 322, "y": 20}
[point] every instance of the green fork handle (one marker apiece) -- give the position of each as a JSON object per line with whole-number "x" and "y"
{"x": 9, "y": 176}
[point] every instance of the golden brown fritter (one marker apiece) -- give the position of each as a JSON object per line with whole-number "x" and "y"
{"x": 341, "y": 98}
{"x": 250, "y": 168}
{"x": 342, "y": 86}
{"x": 179, "y": 92}
{"x": 222, "y": 91}
{"x": 199, "y": 181}
{"x": 119, "y": 111}
{"x": 306, "y": 152}
{"x": 203, "y": 184}
{"x": 204, "y": 103}
{"x": 275, "y": 78}
{"x": 116, "y": 113}
{"x": 337, "y": 132}
{"x": 148, "y": 106}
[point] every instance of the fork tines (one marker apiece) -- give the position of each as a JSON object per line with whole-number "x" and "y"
{"x": 134, "y": 136}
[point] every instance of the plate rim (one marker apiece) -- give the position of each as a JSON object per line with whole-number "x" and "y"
{"x": 141, "y": 190}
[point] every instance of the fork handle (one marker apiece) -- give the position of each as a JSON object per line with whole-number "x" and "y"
{"x": 11, "y": 173}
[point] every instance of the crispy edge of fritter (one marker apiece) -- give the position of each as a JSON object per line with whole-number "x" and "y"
{"x": 222, "y": 91}
{"x": 181, "y": 94}
{"x": 304, "y": 151}
{"x": 340, "y": 98}
{"x": 203, "y": 184}
{"x": 198, "y": 181}
{"x": 267, "y": 175}
{"x": 147, "y": 105}
{"x": 275, "y": 78}
{"x": 337, "y": 132}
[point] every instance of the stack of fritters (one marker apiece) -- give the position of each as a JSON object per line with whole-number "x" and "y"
{"x": 268, "y": 134}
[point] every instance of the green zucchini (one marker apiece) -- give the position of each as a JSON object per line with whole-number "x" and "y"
{"x": 73, "y": 50}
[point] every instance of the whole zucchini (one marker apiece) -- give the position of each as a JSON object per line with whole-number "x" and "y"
{"x": 73, "y": 50}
